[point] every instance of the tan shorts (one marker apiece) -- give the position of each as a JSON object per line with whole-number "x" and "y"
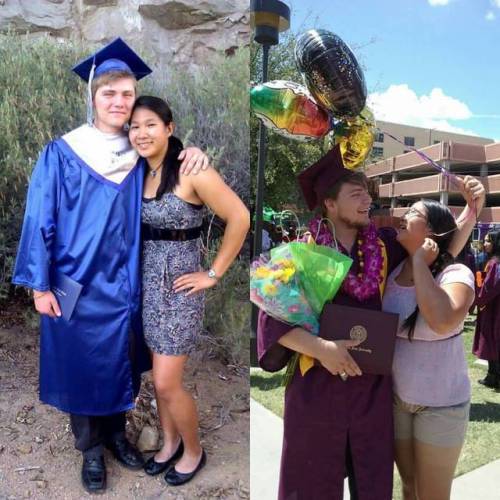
{"x": 438, "y": 426}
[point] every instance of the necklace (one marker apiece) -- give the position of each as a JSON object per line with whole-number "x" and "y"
{"x": 152, "y": 171}
{"x": 365, "y": 283}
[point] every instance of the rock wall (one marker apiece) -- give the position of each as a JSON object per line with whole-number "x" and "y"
{"x": 185, "y": 32}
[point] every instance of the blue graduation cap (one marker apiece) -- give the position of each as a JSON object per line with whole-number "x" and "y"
{"x": 116, "y": 56}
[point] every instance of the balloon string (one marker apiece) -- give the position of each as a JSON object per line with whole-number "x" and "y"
{"x": 452, "y": 177}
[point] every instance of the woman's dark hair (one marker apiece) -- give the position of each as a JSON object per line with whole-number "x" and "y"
{"x": 443, "y": 225}
{"x": 170, "y": 171}
{"x": 494, "y": 237}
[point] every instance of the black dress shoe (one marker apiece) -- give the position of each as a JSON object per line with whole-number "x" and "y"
{"x": 127, "y": 454}
{"x": 491, "y": 380}
{"x": 153, "y": 467}
{"x": 94, "y": 474}
{"x": 175, "y": 478}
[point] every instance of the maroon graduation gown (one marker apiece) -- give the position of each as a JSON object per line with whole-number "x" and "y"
{"x": 487, "y": 337}
{"x": 322, "y": 413}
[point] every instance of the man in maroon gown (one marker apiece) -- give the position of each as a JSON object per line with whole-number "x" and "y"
{"x": 332, "y": 427}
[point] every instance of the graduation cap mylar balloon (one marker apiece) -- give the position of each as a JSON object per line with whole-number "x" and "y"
{"x": 331, "y": 72}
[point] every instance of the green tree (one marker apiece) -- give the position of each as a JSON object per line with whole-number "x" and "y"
{"x": 286, "y": 158}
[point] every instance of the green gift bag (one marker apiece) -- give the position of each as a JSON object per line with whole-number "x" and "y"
{"x": 321, "y": 272}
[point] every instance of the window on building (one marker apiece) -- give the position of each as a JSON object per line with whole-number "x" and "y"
{"x": 410, "y": 141}
{"x": 436, "y": 142}
{"x": 379, "y": 137}
{"x": 376, "y": 151}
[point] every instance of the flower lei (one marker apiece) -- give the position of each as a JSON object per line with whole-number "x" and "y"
{"x": 366, "y": 282}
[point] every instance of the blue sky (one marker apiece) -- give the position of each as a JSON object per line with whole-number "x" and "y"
{"x": 431, "y": 63}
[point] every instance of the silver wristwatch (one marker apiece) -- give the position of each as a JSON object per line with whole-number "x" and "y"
{"x": 211, "y": 274}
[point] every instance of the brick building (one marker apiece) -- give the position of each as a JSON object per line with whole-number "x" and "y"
{"x": 403, "y": 179}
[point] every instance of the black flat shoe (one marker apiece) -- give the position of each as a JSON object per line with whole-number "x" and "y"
{"x": 152, "y": 467}
{"x": 94, "y": 474}
{"x": 175, "y": 478}
{"x": 491, "y": 380}
{"x": 127, "y": 454}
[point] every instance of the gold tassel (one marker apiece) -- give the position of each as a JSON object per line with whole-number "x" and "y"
{"x": 290, "y": 369}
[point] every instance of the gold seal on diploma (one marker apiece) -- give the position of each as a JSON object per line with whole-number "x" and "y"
{"x": 358, "y": 332}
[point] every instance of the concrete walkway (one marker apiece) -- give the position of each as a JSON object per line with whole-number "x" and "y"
{"x": 266, "y": 431}
{"x": 482, "y": 483}
{"x": 266, "y": 434}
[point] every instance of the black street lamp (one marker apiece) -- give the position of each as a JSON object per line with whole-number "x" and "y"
{"x": 268, "y": 18}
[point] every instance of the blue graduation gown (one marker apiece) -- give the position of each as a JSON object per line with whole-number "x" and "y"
{"x": 81, "y": 224}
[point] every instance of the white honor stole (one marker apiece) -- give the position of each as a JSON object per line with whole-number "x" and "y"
{"x": 111, "y": 157}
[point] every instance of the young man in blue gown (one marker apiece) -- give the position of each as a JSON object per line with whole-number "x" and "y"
{"x": 81, "y": 240}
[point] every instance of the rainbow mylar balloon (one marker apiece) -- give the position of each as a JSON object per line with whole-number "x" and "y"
{"x": 290, "y": 110}
{"x": 355, "y": 137}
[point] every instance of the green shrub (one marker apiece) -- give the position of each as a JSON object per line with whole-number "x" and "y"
{"x": 228, "y": 310}
{"x": 211, "y": 110}
{"x": 39, "y": 99}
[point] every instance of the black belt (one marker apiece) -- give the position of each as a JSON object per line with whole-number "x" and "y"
{"x": 149, "y": 233}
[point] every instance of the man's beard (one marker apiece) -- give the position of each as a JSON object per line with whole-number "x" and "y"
{"x": 352, "y": 224}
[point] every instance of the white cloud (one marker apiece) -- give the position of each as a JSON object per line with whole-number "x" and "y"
{"x": 495, "y": 3}
{"x": 400, "y": 104}
{"x": 490, "y": 16}
{"x": 436, "y": 3}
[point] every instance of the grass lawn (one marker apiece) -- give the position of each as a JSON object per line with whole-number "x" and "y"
{"x": 483, "y": 434}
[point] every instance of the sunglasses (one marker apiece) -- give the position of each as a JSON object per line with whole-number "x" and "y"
{"x": 414, "y": 212}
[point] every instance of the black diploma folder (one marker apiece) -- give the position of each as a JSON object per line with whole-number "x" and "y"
{"x": 376, "y": 329}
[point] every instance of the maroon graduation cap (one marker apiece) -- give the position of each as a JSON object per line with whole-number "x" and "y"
{"x": 316, "y": 180}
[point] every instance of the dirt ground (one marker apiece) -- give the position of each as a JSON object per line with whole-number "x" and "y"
{"x": 37, "y": 457}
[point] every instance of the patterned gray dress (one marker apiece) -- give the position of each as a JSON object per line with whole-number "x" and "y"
{"x": 172, "y": 322}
